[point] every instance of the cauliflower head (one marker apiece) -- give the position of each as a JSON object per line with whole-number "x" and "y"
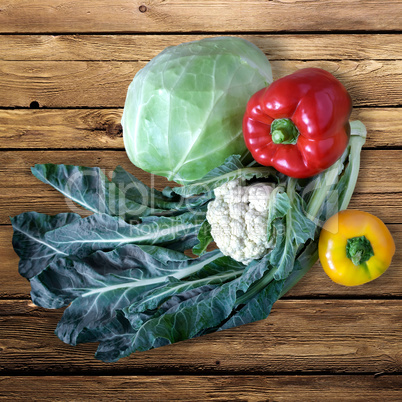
{"x": 238, "y": 217}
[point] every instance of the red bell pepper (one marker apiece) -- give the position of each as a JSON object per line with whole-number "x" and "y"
{"x": 299, "y": 124}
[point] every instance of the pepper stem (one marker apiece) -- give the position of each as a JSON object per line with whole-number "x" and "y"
{"x": 283, "y": 131}
{"x": 278, "y": 136}
{"x": 359, "y": 250}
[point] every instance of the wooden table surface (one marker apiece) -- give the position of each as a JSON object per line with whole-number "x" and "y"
{"x": 64, "y": 71}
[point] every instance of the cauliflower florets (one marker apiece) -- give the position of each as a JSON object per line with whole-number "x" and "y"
{"x": 238, "y": 218}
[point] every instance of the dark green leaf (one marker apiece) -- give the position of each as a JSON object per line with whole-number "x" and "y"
{"x": 292, "y": 230}
{"x": 103, "y": 282}
{"x": 230, "y": 170}
{"x": 204, "y": 239}
{"x": 183, "y": 316}
{"x": 90, "y": 188}
{"x": 104, "y": 232}
{"x": 136, "y": 191}
{"x": 29, "y": 241}
{"x": 258, "y": 308}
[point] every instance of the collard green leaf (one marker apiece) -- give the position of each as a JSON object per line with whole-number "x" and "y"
{"x": 29, "y": 241}
{"x": 182, "y": 321}
{"x": 184, "y": 243}
{"x": 140, "y": 193}
{"x": 136, "y": 191}
{"x": 299, "y": 227}
{"x": 90, "y": 188}
{"x": 258, "y": 308}
{"x": 216, "y": 272}
{"x": 232, "y": 169}
{"x": 161, "y": 254}
{"x": 104, "y": 232}
{"x": 303, "y": 263}
{"x": 115, "y": 333}
{"x": 183, "y": 316}
{"x": 204, "y": 239}
{"x": 158, "y": 301}
{"x": 331, "y": 191}
{"x": 102, "y": 283}
{"x": 292, "y": 230}
{"x": 279, "y": 205}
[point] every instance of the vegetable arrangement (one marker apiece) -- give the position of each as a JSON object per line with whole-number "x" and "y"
{"x": 124, "y": 273}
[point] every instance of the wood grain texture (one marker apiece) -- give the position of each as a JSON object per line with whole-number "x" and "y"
{"x": 337, "y": 336}
{"x": 101, "y": 128}
{"x": 105, "y": 83}
{"x": 70, "y": 128}
{"x": 50, "y": 16}
{"x": 298, "y": 388}
{"x": 144, "y": 47}
{"x": 314, "y": 284}
{"x": 378, "y": 190}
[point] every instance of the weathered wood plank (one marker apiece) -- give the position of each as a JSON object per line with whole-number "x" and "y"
{"x": 315, "y": 283}
{"x": 104, "y": 84}
{"x": 215, "y": 388}
{"x": 144, "y": 47}
{"x": 101, "y": 129}
{"x": 378, "y": 189}
{"x": 337, "y": 336}
{"x": 73, "y": 128}
{"x": 377, "y": 172}
{"x": 61, "y": 84}
{"x": 386, "y": 206}
{"x": 195, "y": 15}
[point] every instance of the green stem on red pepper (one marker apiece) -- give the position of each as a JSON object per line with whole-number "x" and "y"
{"x": 283, "y": 131}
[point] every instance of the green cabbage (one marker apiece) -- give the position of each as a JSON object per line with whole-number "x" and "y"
{"x": 184, "y": 110}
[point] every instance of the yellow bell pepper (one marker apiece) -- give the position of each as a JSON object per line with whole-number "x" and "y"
{"x": 355, "y": 247}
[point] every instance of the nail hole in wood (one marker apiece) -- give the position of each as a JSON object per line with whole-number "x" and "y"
{"x": 142, "y": 8}
{"x": 34, "y": 105}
